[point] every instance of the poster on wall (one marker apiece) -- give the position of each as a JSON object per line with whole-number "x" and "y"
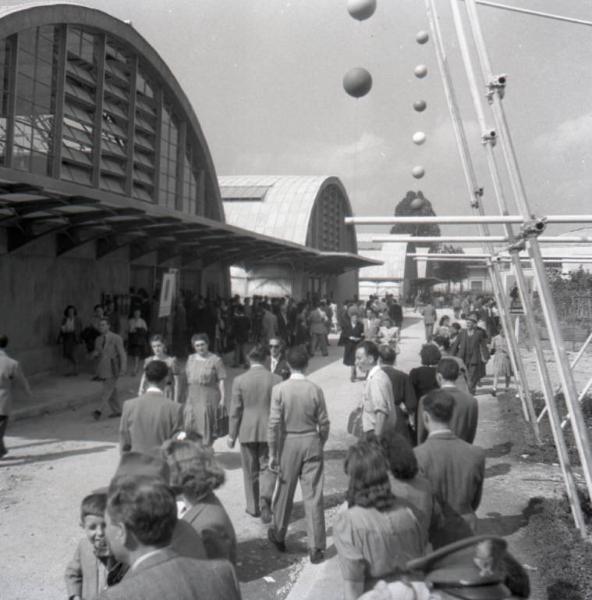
{"x": 167, "y": 294}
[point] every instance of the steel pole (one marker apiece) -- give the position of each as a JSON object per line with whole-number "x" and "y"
{"x": 475, "y": 192}
{"x": 464, "y": 219}
{"x": 547, "y": 302}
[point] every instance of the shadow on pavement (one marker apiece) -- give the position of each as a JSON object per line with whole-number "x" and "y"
{"x": 497, "y": 524}
{"x": 498, "y": 469}
{"x": 13, "y": 461}
{"x": 499, "y": 450}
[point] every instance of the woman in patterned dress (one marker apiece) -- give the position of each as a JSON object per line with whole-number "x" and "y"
{"x": 205, "y": 377}
{"x": 172, "y": 388}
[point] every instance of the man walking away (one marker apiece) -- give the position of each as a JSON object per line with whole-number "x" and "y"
{"x": 11, "y": 377}
{"x": 298, "y": 411}
{"x": 150, "y": 419}
{"x": 455, "y": 468}
{"x": 249, "y": 417}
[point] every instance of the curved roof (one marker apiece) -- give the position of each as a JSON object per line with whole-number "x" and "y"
{"x": 116, "y": 72}
{"x": 279, "y": 205}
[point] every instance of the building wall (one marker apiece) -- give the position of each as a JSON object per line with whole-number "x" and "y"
{"x": 37, "y": 286}
{"x": 281, "y": 280}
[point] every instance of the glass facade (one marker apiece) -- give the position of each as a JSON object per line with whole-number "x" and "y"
{"x": 327, "y": 228}
{"x": 79, "y": 105}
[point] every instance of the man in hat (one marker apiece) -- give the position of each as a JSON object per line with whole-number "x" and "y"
{"x": 150, "y": 419}
{"x": 141, "y": 517}
{"x": 476, "y": 568}
{"x": 471, "y": 346}
{"x": 455, "y": 468}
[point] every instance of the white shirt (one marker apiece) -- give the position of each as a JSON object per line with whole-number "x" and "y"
{"x": 274, "y": 363}
{"x": 144, "y": 557}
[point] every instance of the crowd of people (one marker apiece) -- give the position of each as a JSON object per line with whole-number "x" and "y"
{"x": 414, "y": 476}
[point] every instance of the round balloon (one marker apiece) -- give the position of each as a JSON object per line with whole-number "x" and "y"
{"x": 419, "y": 137}
{"x": 357, "y": 82}
{"x": 416, "y": 203}
{"x": 421, "y": 71}
{"x": 422, "y": 37}
{"x": 361, "y": 9}
{"x": 418, "y": 172}
{"x": 420, "y": 105}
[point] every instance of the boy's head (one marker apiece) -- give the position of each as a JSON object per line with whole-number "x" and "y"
{"x": 92, "y": 520}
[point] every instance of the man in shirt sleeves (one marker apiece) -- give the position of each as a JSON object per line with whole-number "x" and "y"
{"x": 298, "y": 430}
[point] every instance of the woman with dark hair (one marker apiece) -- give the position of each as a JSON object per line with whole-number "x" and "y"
{"x": 172, "y": 388}
{"x": 137, "y": 339}
{"x": 205, "y": 376}
{"x": 376, "y": 534}
{"x": 194, "y": 475}
{"x": 443, "y": 329}
{"x": 423, "y": 378}
{"x": 406, "y": 482}
{"x": 70, "y": 336}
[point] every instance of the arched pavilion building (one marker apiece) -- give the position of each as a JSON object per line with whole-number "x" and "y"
{"x": 106, "y": 180}
{"x": 306, "y": 210}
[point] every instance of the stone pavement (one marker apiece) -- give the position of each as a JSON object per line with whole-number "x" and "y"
{"x": 508, "y": 487}
{"x": 509, "y": 483}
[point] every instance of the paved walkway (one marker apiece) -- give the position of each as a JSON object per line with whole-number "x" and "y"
{"x": 508, "y": 487}
{"x": 83, "y": 455}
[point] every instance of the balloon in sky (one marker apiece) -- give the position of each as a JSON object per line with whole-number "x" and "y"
{"x": 418, "y": 172}
{"x": 361, "y": 9}
{"x": 357, "y": 82}
{"x": 420, "y": 105}
{"x": 422, "y": 37}
{"x": 421, "y": 71}
{"x": 419, "y": 137}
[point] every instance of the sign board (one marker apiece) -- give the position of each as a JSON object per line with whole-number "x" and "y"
{"x": 511, "y": 288}
{"x": 167, "y": 294}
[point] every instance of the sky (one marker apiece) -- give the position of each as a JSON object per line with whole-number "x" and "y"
{"x": 265, "y": 80}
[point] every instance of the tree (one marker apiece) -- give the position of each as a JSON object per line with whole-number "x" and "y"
{"x": 415, "y": 204}
{"x": 452, "y": 270}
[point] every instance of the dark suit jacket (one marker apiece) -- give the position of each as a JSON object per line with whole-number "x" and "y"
{"x": 249, "y": 406}
{"x": 147, "y": 421}
{"x": 211, "y": 521}
{"x": 282, "y": 369}
{"x": 471, "y": 348}
{"x": 402, "y": 388}
{"x": 464, "y": 418}
{"x": 168, "y": 576}
{"x": 455, "y": 469}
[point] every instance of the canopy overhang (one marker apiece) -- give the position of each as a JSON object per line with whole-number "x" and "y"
{"x": 29, "y": 212}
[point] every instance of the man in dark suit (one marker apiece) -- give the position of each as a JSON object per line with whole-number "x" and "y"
{"x": 396, "y": 313}
{"x": 141, "y": 516}
{"x": 150, "y": 419}
{"x": 466, "y": 408}
{"x": 276, "y": 363}
{"x": 471, "y": 346}
{"x": 455, "y": 468}
{"x": 249, "y": 414}
{"x": 403, "y": 393}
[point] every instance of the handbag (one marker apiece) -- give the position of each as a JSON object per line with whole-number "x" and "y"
{"x": 354, "y": 422}
{"x": 222, "y": 424}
